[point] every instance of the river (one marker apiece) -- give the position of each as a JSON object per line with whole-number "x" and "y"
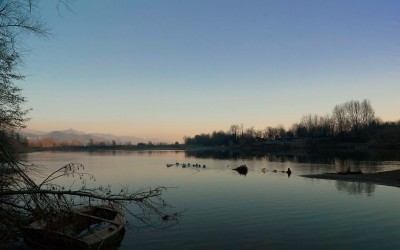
{"x": 265, "y": 209}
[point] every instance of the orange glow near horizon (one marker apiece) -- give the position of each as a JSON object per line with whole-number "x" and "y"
{"x": 169, "y": 132}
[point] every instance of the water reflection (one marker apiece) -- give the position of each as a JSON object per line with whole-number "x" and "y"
{"x": 343, "y": 165}
{"x": 356, "y": 188}
{"x": 368, "y": 162}
{"x": 297, "y": 156}
{"x": 130, "y": 152}
{"x": 220, "y": 204}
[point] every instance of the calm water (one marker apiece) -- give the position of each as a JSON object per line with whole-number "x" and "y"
{"x": 225, "y": 210}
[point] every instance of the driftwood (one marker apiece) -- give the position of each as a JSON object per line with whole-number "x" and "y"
{"x": 23, "y": 200}
{"x": 242, "y": 169}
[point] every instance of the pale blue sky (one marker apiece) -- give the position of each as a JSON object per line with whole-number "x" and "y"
{"x": 165, "y": 69}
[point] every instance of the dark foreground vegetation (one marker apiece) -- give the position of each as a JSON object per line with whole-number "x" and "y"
{"x": 29, "y": 193}
{"x": 24, "y": 199}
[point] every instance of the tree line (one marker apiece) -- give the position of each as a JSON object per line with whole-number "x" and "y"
{"x": 49, "y": 142}
{"x": 352, "y": 121}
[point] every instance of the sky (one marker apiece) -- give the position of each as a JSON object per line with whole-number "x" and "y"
{"x": 168, "y": 69}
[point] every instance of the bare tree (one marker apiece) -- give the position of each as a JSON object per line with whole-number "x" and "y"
{"x": 281, "y": 132}
{"x": 234, "y": 130}
{"x": 340, "y": 122}
{"x": 353, "y": 116}
{"x": 310, "y": 123}
{"x": 258, "y": 133}
{"x": 250, "y": 132}
{"x": 23, "y": 200}
{"x": 367, "y": 113}
{"x": 270, "y": 132}
{"x": 18, "y": 18}
{"x": 326, "y": 127}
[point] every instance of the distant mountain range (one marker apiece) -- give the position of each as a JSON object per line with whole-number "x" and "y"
{"x": 71, "y": 134}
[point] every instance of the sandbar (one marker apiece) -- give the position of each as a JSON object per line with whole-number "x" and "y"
{"x": 386, "y": 178}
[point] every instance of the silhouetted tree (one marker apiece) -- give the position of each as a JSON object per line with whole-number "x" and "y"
{"x": 299, "y": 130}
{"x": 353, "y": 118}
{"x": 20, "y": 196}
{"x": 339, "y": 120}
{"x": 220, "y": 138}
{"x": 281, "y": 132}
{"x": 23, "y": 199}
{"x": 270, "y": 133}
{"x": 386, "y": 134}
{"x": 18, "y": 18}
{"x": 367, "y": 113}
{"x": 274, "y": 133}
{"x": 234, "y": 130}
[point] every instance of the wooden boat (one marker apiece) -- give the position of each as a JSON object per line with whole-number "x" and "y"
{"x": 92, "y": 227}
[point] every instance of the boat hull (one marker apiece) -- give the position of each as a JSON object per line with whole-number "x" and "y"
{"x": 96, "y": 227}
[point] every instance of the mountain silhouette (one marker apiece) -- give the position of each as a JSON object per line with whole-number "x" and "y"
{"x": 71, "y": 134}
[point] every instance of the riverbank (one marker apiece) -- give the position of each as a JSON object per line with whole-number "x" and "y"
{"x": 386, "y": 178}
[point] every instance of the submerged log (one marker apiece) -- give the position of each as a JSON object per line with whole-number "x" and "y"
{"x": 242, "y": 170}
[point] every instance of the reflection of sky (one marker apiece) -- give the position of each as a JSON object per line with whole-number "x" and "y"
{"x": 150, "y": 166}
{"x": 168, "y": 69}
{"x": 225, "y": 210}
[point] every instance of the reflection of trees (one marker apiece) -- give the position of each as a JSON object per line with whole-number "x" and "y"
{"x": 216, "y": 154}
{"x": 341, "y": 165}
{"x": 339, "y": 160}
{"x": 310, "y": 163}
{"x": 356, "y": 188}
